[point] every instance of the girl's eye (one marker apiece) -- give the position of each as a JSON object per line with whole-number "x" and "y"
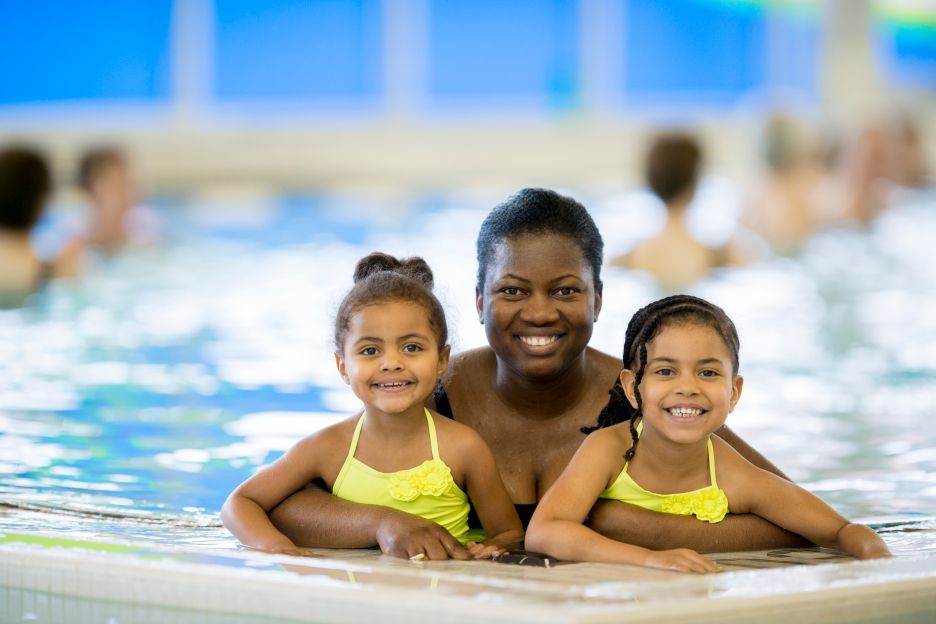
{"x": 709, "y": 373}
{"x": 412, "y": 348}
{"x": 369, "y": 351}
{"x": 666, "y": 372}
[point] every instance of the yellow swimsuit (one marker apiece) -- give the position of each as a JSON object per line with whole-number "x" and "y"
{"x": 427, "y": 490}
{"x": 708, "y": 503}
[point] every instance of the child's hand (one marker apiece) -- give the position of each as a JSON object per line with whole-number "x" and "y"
{"x": 295, "y": 551}
{"x": 483, "y": 551}
{"x": 680, "y": 560}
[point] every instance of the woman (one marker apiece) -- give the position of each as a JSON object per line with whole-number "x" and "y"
{"x": 528, "y": 393}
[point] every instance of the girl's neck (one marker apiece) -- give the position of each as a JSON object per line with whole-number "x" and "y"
{"x": 401, "y": 425}
{"x": 665, "y": 457}
{"x": 548, "y": 396}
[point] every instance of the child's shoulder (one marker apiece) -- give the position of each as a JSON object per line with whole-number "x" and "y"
{"x": 455, "y": 435}
{"x": 334, "y": 435}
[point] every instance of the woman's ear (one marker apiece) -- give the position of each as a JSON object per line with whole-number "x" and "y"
{"x": 627, "y": 382}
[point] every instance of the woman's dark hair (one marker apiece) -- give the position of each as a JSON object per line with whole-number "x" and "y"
{"x": 25, "y": 183}
{"x": 672, "y": 165}
{"x": 540, "y": 211}
{"x": 643, "y": 327}
{"x": 379, "y": 278}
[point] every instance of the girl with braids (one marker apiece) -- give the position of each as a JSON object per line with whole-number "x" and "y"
{"x": 391, "y": 343}
{"x": 653, "y": 447}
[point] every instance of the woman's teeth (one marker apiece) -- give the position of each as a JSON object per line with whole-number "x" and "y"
{"x": 538, "y": 341}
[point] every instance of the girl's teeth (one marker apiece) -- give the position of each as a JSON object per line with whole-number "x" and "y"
{"x": 684, "y": 412}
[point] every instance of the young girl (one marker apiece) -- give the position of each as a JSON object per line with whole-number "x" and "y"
{"x": 391, "y": 340}
{"x": 653, "y": 447}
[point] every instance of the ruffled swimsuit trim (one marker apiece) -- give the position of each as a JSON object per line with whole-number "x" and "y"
{"x": 709, "y": 503}
{"x": 426, "y": 490}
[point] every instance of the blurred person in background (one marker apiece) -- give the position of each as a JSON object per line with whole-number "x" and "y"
{"x": 674, "y": 256}
{"x": 795, "y": 198}
{"x": 25, "y": 187}
{"x": 107, "y": 177}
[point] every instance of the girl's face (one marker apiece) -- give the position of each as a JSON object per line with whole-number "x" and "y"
{"x": 538, "y": 304}
{"x": 689, "y": 386}
{"x": 391, "y": 357}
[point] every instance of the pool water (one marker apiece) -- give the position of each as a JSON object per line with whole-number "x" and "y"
{"x": 133, "y": 402}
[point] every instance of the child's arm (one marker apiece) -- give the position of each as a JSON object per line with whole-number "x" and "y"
{"x": 244, "y": 513}
{"x": 557, "y": 529}
{"x": 489, "y": 498}
{"x": 792, "y": 507}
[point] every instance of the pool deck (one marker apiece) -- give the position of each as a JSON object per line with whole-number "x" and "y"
{"x": 358, "y": 585}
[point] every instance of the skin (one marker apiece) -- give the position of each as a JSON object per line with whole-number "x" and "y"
{"x": 688, "y": 390}
{"x": 529, "y": 405}
{"x": 392, "y": 360}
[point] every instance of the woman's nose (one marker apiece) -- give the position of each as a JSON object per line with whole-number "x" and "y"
{"x": 540, "y": 309}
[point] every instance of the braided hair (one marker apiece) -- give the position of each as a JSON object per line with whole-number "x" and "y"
{"x": 643, "y": 327}
{"x": 379, "y": 278}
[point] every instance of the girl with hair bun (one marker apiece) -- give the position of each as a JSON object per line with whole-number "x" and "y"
{"x": 391, "y": 347}
{"x": 679, "y": 383}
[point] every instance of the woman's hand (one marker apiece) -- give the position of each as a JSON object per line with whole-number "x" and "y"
{"x": 404, "y": 535}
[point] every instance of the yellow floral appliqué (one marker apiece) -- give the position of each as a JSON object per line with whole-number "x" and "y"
{"x": 710, "y": 504}
{"x": 431, "y": 478}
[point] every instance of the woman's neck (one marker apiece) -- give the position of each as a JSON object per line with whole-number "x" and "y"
{"x": 547, "y": 396}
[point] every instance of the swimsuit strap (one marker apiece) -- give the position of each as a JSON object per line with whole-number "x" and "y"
{"x": 711, "y": 461}
{"x": 432, "y": 435}
{"x": 433, "y": 441}
{"x": 354, "y": 438}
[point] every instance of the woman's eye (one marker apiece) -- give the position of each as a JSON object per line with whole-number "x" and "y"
{"x": 511, "y": 290}
{"x": 412, "y": 348}
{"x": 566, "y": 291}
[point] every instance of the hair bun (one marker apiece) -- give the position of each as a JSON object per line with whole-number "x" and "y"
{"x": 415, "y": 267}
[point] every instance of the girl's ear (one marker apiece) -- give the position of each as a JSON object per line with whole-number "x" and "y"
{"x": 443, "y": 360}
{"x": 736, "y": 385}
{"x": 627, "y": 382}
{"x": 342, "y": 370}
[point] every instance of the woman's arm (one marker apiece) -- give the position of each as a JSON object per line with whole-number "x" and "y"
{"x": 489, "y": 498}
{"x": 748, "y": 452}
{"x": 557, "y": 529}
{"x": 313, "y": 517}
{"x": 651, "y": 529}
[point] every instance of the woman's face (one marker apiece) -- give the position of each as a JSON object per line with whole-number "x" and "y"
{"x": 538, "y": 304}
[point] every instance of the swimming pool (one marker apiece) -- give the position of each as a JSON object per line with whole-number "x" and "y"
{"x": 132, "y": 403}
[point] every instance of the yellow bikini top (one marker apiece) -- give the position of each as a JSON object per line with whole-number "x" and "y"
{"x": 709, "y": 503}
{"x": 427, "y": 490}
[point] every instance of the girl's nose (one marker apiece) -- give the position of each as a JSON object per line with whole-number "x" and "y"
{"x": 391, "y": 362}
